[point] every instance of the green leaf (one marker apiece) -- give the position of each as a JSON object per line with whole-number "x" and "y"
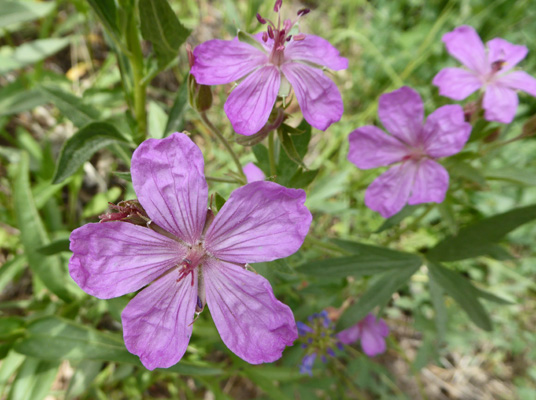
{"x": 377, "y": 294}
{"x": 219, "y": 200}
{"x": 518, "y": 176}
{"x": 368, "y": 260}
{"x": 463, "y": 292}
{"x": 107, "y": 13}
{"x": 34, "y": 236}
{"x": 123, "y": 175}
{"x": 441, "y": 316}
{"x": 29, "y": 53}
{"x": 71, "y": 106}
{"x": 14, "y": 12}
{"x": 82, "y": 145}
{"x": 34, "y": 379}
{"x": 175, "y": 122}
{"x": 464, "y": 170}
{"x": 53, "y": 338}
{"x": 397, "y": 218}
{"x": 99, "y": 202}
{"x": 162, "y": 28}
{"x": 15, "y": 98}
{"x": 295, "y": 147}
{"x": 83, "y": 377}
{"x": 10, "y": 269}
{"x": 10, "y": 326}
{"x": 302, "y": 179}
{"x": 8, "y": 367}
{"x": 263, "y": 160}
{"x": 55, "y": 247}
{"x": 156, "y": 120}
{"x": 474, "y": 240}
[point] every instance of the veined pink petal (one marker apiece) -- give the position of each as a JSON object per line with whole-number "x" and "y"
{"x": 223, "y": 61}
{"x": 431, "y": 183}
{"x": 445, "y": 131}
{"x": 168, "y": 177}
{"x": 464, "y": 44}
{"x": 350, "y": 335}
{"x": 316, "y": 50}
{"x": 390, "y": 191}
{"x": 402, "y": 114}
{"x": 157, "y": 323}
{"x": 252, "y": 323}
{"x": 519, "y": 80}
{"x": 249, "y": 105}
{"x": 114, "y": 258}
{"x": 500, "y": 103}
{"x": 508, "y": 54}
{"x": 370, "y": 147}
{"x": 261, "y": 221}
{"x": 456, "y": 83}
{"x": 318, "y": 97}
{"x": 253, "y": 173}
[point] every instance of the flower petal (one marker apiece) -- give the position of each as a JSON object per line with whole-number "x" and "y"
{"x": 157, "y": 323}
{"x": 316, "y": 50}
{"x": 445, "y": 131}
{"x": 249, "y": 105}
{"x": 372, "y": 343}
{"x": 505, "y": 52}
{"x": 261, "y": 221}
{"x": 519, "y": 80}
{"x": 500, "y": 103}
{"x": 318, "y": 97}
{"x": 350, "y": 335}
{"x": 253, "y": 173}
{"x": 306, "y": 366}
{"x": 456, "y": 83}
{"x": 252, "y": 323}
{"x": 223, "y": 61}
{"x": 402, "y": 114}
{"x": 464, "y": 44}
{"x": 390, "y": 191}
{"x": 114, "y": 258}
{"x": 168, "y": 178}
{"x": 370, "y": 147}
{"x": 431, "y": 183}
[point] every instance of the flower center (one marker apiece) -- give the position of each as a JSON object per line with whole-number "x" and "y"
{"x": 280, "y": 34}
{"x": 193, "y": 259}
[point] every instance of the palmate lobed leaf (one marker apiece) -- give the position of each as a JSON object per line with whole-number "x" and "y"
{"x": 474, "y": 240}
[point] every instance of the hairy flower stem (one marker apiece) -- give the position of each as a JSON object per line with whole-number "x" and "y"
{"x": 226, "y": 180}
{"x": 215, "y": 131}
{"x": 271, "y": 154}
{"x": 136, "y": 62}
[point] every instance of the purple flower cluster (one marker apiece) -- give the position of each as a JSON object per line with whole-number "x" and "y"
{"x": 320, "y": 340}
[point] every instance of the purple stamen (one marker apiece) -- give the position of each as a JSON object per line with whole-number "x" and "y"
{"x": 303, "y": 11}
{"x": 270, "y": 32}
{"x": 260, "y": 19}
{"x": 278, "y": 5}
{"x": 264, "y": 37}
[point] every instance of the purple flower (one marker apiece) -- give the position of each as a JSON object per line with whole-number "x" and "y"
{"x": 306, "y": 366}
{"x": 266, "y": 70}
{"x": 417, "y": 178}
{"x": 491, "y": 70}
{"x": 372, "y": 333}
{"x": 253, "y": 173}
{"x": 184, "y": 258}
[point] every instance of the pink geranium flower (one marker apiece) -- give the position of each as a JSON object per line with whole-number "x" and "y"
{"x": 417, "y": 177}
{"x": 491, "y": 70}
{"x": 279, "y": 59}
{"x": 183, "y": 257}
{"x": 253, "y": 173}
{"x": 372, "y": 333}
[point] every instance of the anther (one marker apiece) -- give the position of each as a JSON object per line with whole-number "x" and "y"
{"x": 303, "y": 11}
{"x": 278, "y": 5}
{"x": 270, "y": 32}
{"x": 299, "y": 36}
{"x": 264, "y": 37}
{"x": 260, "y": 19}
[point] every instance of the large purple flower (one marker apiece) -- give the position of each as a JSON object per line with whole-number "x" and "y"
{"x": 279, "y": 59}
{"x": 491, "y": 70}
{"x": 189, "y": 258}
{"x": 372, "y": 333}
{"x": 417, "y": 178}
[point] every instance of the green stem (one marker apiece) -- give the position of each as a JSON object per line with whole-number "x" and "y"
{"x": 226, "y": 180}
{"x": 215, "y": 131}
{"x": 314, "y": 242}
{"x": 410, "y": 226}
{"x": 271, "y": 154}
{"x": 136, "y": 62}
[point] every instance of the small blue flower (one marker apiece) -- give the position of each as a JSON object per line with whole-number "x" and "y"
{"x": 306, "y": 366}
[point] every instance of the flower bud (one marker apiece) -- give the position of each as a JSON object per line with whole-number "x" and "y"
{"x": 199, "y": 96}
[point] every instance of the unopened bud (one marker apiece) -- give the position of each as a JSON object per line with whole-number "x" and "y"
{"x": 191, "y": 57}
{"x": 199, "y": 96}
{"x": 278, "y": 4}
{"x": 303, "y": 11}
{"x": 260, "y": 19}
